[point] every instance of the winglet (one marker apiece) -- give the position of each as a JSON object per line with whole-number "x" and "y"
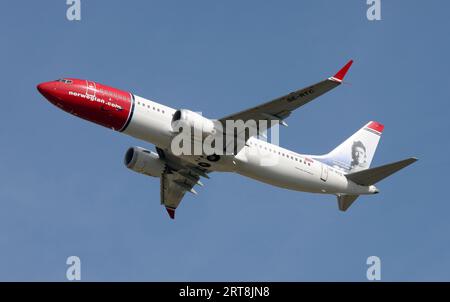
{"x": 171, "y": 212}
{"x": 339, "y": 76}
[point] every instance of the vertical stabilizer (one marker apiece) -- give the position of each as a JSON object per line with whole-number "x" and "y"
{"x": 345, "y": 201}
{"x": 355, "y": 153}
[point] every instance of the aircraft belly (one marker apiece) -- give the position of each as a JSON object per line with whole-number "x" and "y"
{"x": 281, "y": 175}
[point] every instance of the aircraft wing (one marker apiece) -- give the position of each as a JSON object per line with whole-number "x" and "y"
{"x": 173, "y": 188}
{"x": 178, "y": 178}
{"x": 282, "y": 107}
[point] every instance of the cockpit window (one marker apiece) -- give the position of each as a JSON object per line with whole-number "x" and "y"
{"x": 65, "y": 81}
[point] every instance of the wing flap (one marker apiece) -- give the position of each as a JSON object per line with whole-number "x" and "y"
{"x": 173, "y": 188}
{"x": 180, "y": 177}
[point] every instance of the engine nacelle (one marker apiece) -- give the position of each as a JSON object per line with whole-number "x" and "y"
{"x": 143, "y": 161}
{"x": 193, "y": 120}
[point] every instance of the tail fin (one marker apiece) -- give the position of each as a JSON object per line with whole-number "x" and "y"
{"x": 355, "y": 153}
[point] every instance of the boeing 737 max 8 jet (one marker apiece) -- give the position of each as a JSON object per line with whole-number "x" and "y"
{"x": 344, "y": 172}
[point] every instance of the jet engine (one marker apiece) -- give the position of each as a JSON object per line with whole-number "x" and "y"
{"x": 196, "y": 122}
{"x": 143, "y": 161}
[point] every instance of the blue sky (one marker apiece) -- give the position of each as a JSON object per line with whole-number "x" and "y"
{"x": 65, "y": 191}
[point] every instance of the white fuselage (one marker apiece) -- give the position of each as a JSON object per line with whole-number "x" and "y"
{"x": 258, "y": 160}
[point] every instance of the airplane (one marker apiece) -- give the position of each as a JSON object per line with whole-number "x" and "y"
{"x": 344, "y": 172}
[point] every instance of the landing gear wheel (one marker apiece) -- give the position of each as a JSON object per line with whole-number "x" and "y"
{"x": 204, "y": 165}
{"x": 213, "y": 157}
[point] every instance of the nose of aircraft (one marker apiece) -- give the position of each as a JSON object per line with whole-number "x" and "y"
{"x": 52, "y": 92}
{"x": 46, "y": 89}
{"x": 101, "y": 104}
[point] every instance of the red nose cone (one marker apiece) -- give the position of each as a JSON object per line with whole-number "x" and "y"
{"x": 49, "y": 91}
{"x": 101, "y": 104}
{"x": 45, "y": 88}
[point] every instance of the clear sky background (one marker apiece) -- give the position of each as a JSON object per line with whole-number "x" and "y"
{"x": 65, "y": 191}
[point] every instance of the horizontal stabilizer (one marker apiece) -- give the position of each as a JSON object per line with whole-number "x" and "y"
{"x": 345, "y": 201}
{"x": 371, "y": 176}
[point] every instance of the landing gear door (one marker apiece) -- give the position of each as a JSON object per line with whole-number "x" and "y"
{"x": 324, "y": 174}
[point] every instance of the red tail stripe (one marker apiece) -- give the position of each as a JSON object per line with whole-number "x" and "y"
{"x": 376, "y": 126}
